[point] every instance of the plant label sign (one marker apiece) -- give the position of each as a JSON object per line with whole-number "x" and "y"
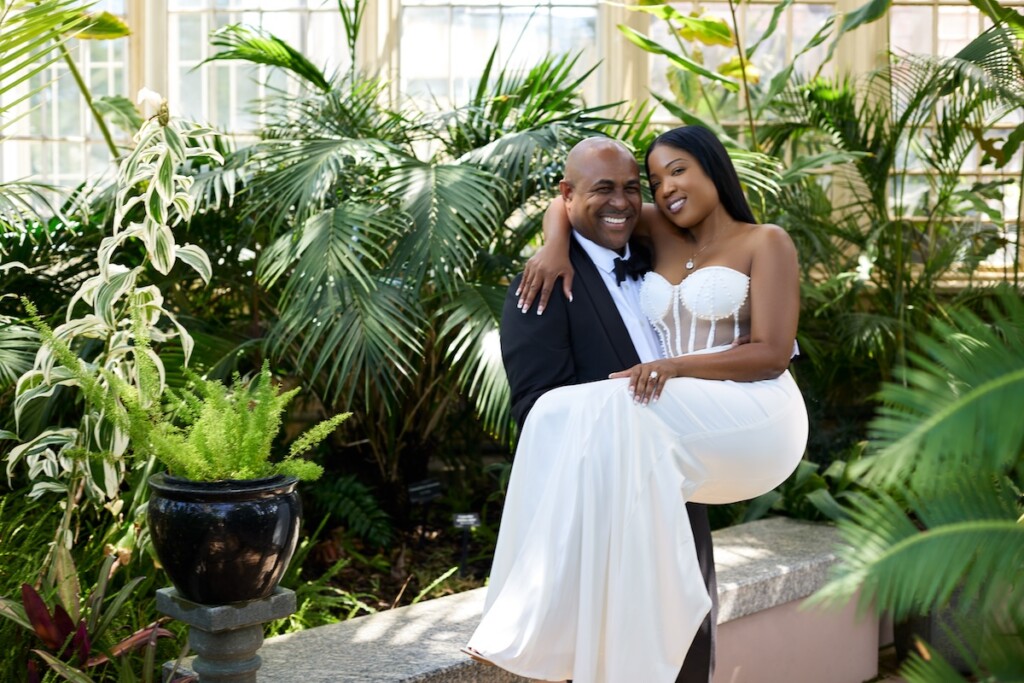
{"x": 466, "y": 520}
{"x": 424, "y": 491}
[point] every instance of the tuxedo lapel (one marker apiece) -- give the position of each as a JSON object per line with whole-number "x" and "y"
{"x": 590, "y": 280}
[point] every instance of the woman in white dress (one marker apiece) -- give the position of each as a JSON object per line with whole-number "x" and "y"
{"x": 595, "y": 577}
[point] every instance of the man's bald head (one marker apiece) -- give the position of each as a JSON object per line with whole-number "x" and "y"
{"x": 583, "y": 153}
{"x": 601, "y": 190}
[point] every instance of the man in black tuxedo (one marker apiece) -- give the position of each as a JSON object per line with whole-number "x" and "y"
{"x": 602, "y": 329}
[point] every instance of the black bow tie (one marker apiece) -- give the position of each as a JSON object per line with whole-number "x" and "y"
{"x": 634, "y": 266}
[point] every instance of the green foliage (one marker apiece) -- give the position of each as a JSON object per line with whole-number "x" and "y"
{"x": 949, "y": 442}
{"x": 319, "y": 601}
{"x": 260, "y": 47}
{"x": 229, "y": 435}
{"x": 226, "y": 435}
{"x": 352, "y": 503}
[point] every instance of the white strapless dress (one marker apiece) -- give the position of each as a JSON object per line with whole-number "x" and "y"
{"x": 595, "y": 577}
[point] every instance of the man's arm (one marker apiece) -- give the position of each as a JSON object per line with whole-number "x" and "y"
{"x": 536, "y": 350}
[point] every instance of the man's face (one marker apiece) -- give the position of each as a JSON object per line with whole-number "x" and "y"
{"x": 602, "y": 195}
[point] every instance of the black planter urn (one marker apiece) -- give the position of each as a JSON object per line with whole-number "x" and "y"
{"x": 226, "y": 541}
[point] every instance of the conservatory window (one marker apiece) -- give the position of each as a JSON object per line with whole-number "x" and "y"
{"x": 445, "y": 45}
{"x": 942, "y": 29}
{"x": 56, "y": 140}
{"x": 222, "y": 93}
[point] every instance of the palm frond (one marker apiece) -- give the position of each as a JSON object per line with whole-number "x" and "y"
{"x": 18, "y": 344}
{"x": 350, "y": 109}
{"x": 30, "y": 38}
{"x": 355, "y": 343}
{"x": 901, "y": 569}
{"x": 25, "y": 208}
{"x": 295, "y": 179}
{"x": 961, "y": 401}
{"x": 454, "y": 209}
{"x": 245, "y": 43}
{"x": 996, "y": 58}
{"x": 470, "y": 330}
{"x": 340, "y": 244}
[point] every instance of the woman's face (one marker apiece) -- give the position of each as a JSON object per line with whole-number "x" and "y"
{"x": 682, "y": 190}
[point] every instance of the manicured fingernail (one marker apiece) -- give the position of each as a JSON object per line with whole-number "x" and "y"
{"x": 540, "y": 309}
{"x": 570, "y": 298}
{"x": 519, "y": 291}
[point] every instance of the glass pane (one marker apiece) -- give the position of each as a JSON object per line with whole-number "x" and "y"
{"x": 516, "y": 30}
{"x": 189, "y": 99}
{"x": 99, "y": 159}
{"x": 474, "y": 35}
{"x": 424, "y": 53}
{"x": 69, "y": 102}
{"x": 246, "y": 92}
{"x": 224, "y": 76}
{"x": 112, "y": 6}
{"x": 285, "y": 25}
{"x": 957, "y": 27}
{"x": 576, "y": 32}
{"x": 191, "y": 38}
{"x": 98, "y": 50}
{"x": 808, "y": 20}
{"x": 39, "y": 160}
{"x": 185, "y": 5}
{"x": 910, "y": 29}
{"x": 69, "y": 162}
{"x": 325, "y": 41}
{"x": 99, "y": 82}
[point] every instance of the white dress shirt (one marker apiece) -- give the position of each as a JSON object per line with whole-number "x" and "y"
{"x": 627, "y": 299}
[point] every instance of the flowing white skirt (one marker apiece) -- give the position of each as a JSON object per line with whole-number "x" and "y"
{"x": 595, "y": 577}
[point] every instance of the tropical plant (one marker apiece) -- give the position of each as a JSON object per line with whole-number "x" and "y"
{"x": 390, "y": 236}
{"x": 153, "y": 197}
{"x": 74, "y": 635}
{"x": 948, "y": 447}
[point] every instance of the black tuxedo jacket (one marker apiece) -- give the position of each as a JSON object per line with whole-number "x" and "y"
{"x": 584, "y": 341}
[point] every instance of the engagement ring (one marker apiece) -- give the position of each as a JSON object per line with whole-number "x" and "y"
{"x": 654, "y": 374}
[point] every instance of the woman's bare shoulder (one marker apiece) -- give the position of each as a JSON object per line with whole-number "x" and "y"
{"x": 769, "y": 234}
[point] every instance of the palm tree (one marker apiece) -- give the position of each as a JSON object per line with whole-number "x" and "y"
{"x": 390, "y": 235}
{"x": 949, "y": 448}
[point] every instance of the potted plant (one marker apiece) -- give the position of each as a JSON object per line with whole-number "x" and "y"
{"x": 224, "y": 518}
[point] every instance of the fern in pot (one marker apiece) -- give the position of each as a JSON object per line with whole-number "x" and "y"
{"x": 224, "y": 517}
{"x": 224, "y": 520}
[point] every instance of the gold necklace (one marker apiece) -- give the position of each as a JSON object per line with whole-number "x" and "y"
{"x": 689, "y": 262}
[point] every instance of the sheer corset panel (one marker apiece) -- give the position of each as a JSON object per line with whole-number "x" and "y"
{"x": 708, "y": 310}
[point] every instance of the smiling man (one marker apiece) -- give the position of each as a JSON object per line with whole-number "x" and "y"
{"x": 602, "y": 329}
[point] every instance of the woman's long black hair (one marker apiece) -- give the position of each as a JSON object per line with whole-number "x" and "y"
{"x": 712, "y": 157}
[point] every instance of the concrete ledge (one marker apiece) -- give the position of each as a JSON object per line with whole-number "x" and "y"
{"x": 763, "y": 566}
{"x": 765, "y": 634}
{"x": 770, "y": 562}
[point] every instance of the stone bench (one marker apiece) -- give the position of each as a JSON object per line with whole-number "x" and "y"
{"x": 765, "y": 569}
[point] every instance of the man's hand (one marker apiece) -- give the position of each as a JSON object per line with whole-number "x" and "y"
{"x": 539, "y": 276}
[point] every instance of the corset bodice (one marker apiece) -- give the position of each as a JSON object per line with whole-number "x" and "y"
{"x": 708, "y": 309}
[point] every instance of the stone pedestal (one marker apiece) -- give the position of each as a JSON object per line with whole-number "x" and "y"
{"x": 226, "y": 638}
